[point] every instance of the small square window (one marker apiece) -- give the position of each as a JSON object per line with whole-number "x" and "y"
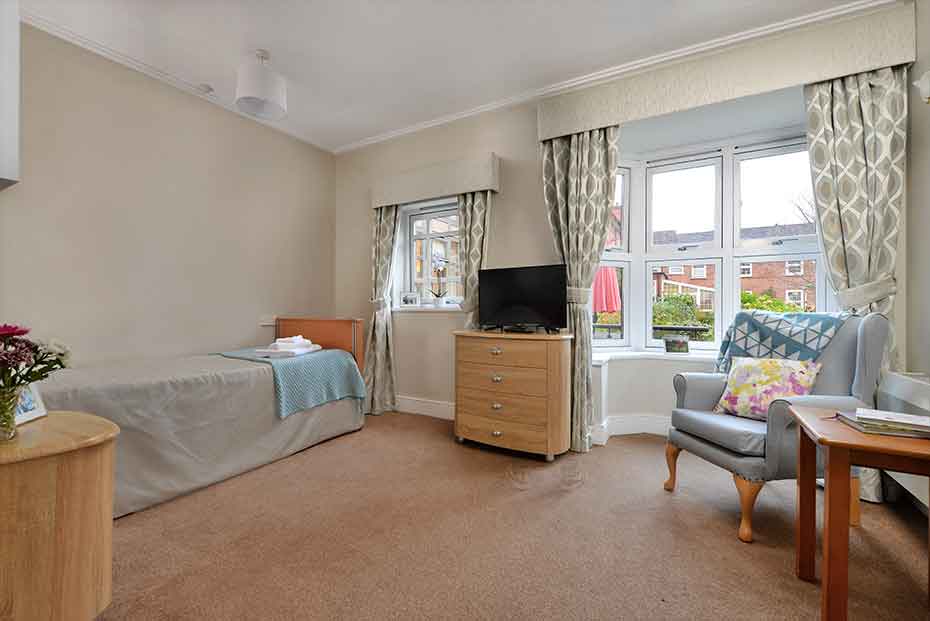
{"x": 683, "y": 204}
{"x": 794, "y": 268}
{"x": 699, "y": 272}
{"x": 795, "y": 297}
{"x": 745, "y": 270}
{"x": 674, "y": 270}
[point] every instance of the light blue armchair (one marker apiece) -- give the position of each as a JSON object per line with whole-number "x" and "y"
{"x": 759, "y": 451}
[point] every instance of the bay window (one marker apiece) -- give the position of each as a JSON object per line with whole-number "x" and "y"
{"x": 696, "y": 238}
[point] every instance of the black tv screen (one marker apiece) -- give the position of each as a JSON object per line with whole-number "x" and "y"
{"x": 522, "y": 296}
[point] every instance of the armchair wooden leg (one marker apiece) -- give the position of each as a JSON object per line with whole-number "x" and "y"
{"x": 748, "y": 490}
{"x": 855, "y": 518}
{"x": 671, "y": 457}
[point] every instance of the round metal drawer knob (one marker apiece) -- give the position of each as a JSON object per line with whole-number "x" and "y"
{"x": 497, "y": 434}
{"x": 497, "y": 379}
{"x": 496, "y": 351}
{"x": 496, "y": 406}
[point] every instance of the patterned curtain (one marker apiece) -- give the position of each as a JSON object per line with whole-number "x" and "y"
{"x": 474, "y": 221}
{"x": 857, "y": 137}
{"x": 380, "y": 378}
{"x": 578, "y": 184}
{"x": 857, "y": 134}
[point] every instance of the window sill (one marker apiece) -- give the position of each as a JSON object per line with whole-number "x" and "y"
{"x": 427, "y": 309}
{"x": 600, "y": 358}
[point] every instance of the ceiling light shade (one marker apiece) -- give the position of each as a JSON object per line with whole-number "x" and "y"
{"x": 260, "y": 91}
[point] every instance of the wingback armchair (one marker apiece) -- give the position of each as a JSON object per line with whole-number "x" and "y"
{"x": 760, "y": 451}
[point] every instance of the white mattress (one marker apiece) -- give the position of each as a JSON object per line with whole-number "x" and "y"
{"x": 186, "y": 423}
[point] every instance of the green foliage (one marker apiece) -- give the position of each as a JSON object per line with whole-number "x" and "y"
{"x": 678, "y": 309}
{"x": 766, "y": 302}
{"x": 675, "y": 310}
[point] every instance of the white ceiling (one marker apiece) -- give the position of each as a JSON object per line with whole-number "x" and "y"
{"x": 362, "y": 70}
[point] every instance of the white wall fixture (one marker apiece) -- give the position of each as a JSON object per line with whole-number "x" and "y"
{"x": 923, "y": 85}
{"x": 260, "y": 91}
{"x": 9, "y": 92}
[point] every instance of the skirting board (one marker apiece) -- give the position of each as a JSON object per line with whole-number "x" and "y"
{"x": 426, "y": 407}
{"x": 627, "y": 424}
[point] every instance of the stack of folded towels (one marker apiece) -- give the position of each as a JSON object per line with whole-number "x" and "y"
{"x": 288, "y": 348}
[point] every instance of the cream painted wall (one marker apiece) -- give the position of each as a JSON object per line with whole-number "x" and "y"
{"x": 918, "y": 216}
{"x": 150, "y": 222}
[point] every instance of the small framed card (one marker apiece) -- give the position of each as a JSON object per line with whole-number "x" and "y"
{"x": 410, "y": 298}
{"x": 30, "y": 405}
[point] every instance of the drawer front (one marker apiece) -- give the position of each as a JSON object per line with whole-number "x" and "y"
{"x": 516, "y": 409}
{"x": 502, "y": 433}
{"x": 510, "y": 380}
{"x": 508, "y": 352}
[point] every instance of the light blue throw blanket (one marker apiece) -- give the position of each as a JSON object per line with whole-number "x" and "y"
{"x": 763, "y": 334}
{"x": 304, "y": 382}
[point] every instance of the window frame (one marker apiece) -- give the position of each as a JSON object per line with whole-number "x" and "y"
{"x": 637, "y": 300}
{"x": 703, "y": 272}
{"x": 697, "y": 160}
{"x": 624, "y": 307}
{"x": 824, "y": 301}
{"x": 626, "y": 173}
{"x": 410, "y": 213}
{"x": 794, "y": 243}
{"x": 717, "y": 262}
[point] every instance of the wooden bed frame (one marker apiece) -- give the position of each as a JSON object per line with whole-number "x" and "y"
{"x": 330, "y": 333}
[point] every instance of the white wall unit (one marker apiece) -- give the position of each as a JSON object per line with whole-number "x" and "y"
{"x": 9, "y": 92}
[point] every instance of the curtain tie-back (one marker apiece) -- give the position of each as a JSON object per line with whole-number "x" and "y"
{"x": 577, "y": 295}
{"x": 863, "y": 295}
{"x": 380, "y": 303}
{"x": 468, "y": 306}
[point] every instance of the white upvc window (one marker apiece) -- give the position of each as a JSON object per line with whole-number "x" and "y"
{"x": 683, "y": 204}
{"x": 610, "y": 293}
{"x": 675, "y": 305}
{"x": 774, "y": 197}
{"x": 696, "y": 285}
{"x": 430, "y": 253}
{"x": 771, "y": 288}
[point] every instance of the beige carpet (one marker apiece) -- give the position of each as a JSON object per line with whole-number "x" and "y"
{"x": 399, "y": 522}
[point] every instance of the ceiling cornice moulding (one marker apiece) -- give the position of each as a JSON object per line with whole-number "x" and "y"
{"x": 851, "y": 9}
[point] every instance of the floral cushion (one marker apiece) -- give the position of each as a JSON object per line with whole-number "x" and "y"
{"x": 753, "y": 383}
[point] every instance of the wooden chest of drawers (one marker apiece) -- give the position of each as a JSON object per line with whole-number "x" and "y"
{"x": 514, "y": 390}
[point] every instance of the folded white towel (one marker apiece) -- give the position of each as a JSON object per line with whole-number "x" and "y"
{"x": 286, "y": 353}
{"x": 294, "y": 342}
{"x": 291, "y": 339}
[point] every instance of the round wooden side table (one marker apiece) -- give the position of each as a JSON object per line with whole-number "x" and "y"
{"x": 56, "y": 518}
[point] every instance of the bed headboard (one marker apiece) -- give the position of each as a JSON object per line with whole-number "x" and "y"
{"x": 330, "y": 333}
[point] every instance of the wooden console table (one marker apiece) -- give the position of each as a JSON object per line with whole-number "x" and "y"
{"x": 843, "y": 447}
{"x": 56, "y": 518}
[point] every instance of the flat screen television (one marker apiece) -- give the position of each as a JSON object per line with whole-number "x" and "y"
{"x": 522, "y": 297}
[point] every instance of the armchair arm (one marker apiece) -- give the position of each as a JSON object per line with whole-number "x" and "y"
{"x": 699, "y": 391}
{"x": 781, "y": 436}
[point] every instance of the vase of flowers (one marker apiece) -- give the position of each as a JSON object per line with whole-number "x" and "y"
{"x": 22, "y": 362}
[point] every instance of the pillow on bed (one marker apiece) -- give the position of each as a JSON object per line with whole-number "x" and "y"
{"x": 753, "y": 383}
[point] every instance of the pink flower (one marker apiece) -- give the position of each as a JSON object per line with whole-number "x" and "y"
{"x": 11, "y": 330}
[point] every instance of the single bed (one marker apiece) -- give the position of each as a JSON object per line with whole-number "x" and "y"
{"x": 193, "y": 421}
